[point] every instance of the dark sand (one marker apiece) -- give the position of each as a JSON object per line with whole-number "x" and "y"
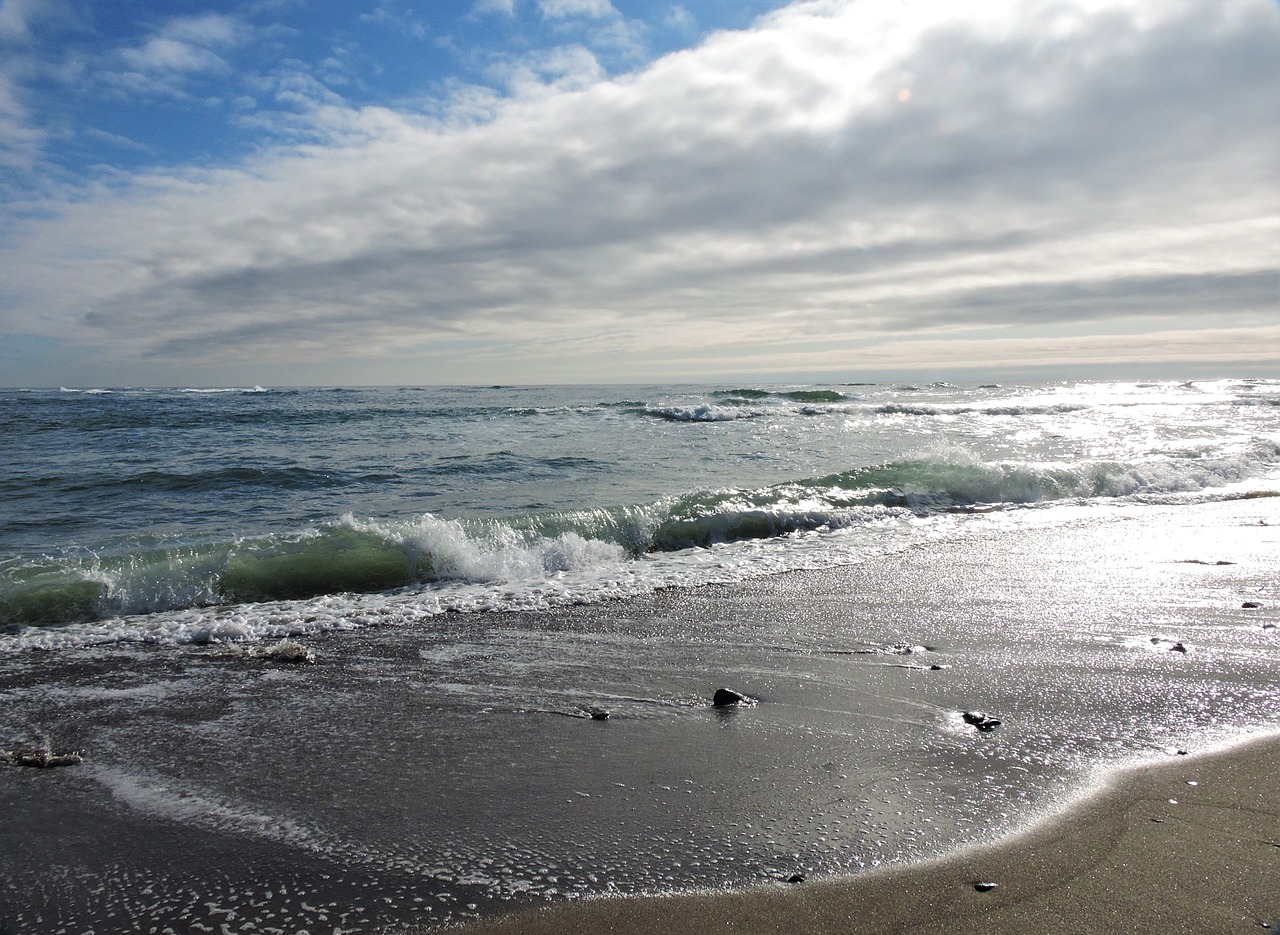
{"x": 1188, "y": 845}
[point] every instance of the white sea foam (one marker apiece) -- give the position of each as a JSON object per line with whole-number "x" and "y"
{"x": 213, "y": 390}
{"x": 164, "y": 798}
{"x": 493, "y": 552}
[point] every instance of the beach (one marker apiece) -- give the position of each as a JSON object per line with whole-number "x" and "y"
{"x": 1180, "y": 840}
{"x": 406, "y": 780}
{"x": 1188, "y": 845}
{"x": 949, "y": 613}
{"x": 1191, "y": 845}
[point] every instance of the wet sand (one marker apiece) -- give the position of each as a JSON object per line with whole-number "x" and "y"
{"x": 1189, "y": 845}
{"x": 429, "y": 775}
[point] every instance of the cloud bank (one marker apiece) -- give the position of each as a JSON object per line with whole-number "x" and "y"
{"x": 844, "y": 187}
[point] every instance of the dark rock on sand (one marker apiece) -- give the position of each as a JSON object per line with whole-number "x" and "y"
{"x": 728, "y": 698}
{"x": 984, "y": 886}
{"x": 1251, "y": 605}
{"x": 796, "y": 878}
{"x": 598, "y": 714}
{"x": 981, "y": 721}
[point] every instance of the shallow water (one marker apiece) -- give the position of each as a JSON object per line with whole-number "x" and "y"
{"x": 438, "y": 771}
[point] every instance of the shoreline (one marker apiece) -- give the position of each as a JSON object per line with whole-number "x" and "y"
{"x": 414, "y": 779}
{"x": 1189, "y": 845}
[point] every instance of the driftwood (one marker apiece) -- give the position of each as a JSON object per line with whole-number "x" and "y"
{"x": 43, "y": 758}
{"x": 42, "y": 755}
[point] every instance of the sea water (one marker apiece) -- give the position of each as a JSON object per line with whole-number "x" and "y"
{"x": 480, "y": 574}
{"x": 127, "y": 513}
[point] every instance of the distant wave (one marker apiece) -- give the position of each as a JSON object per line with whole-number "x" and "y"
{"x": 745, "y": 393}
{"x": 801, "y": 396}
{"x": 497, "y": 463}
{"x": 226, "y": 389}
{"x": 894, "y": 409}
{"x": 702, "y": 413}
{"x": 228, "y": 479}
{"x": 741, "y": 404}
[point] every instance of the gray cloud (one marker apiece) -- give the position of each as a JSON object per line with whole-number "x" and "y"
{"x": 828, "y": 174}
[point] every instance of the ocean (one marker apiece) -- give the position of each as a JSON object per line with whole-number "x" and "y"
{"x": 347, "y": 659}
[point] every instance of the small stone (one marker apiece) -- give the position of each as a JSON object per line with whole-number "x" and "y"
{"x": 981, "y": 721}
{"x": 1251, "y": 605}
{"x": 728, "y": 698}
{"x": 984, "y": 886}
{"x": 796, "y": 878}
{"x": 598, "y": 715}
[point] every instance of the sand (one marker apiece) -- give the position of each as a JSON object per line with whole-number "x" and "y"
{"x": 1189, "y": 845}
{"x": 396, "y": 782}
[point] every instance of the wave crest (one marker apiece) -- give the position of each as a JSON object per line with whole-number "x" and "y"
{"x": 144, "y": 576}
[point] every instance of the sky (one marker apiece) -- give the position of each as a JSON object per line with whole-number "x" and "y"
{"x": 299, "y": 192}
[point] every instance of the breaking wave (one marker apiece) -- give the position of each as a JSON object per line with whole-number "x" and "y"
{"x": 145, "y": 575}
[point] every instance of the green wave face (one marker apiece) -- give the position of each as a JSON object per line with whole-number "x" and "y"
{"x": 814, "y": 396}
{"x": 50, "y": 604}
{"x": 940, "y": 484}
{"x": 745, "y": 393}
{"x": 338, "y": 560}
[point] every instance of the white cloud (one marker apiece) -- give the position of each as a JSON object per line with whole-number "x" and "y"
{"x": 603, "y": 28}
{"x": 506, "y": 7}
{"x": 679, "y": 19}
{"x": 18, "y": 18}
{"x": 207, "y": 30}
{"x": 183, "y": 48}
{"x": 400, "y": 21}
{"x": 20, "y": 140}
{"x": 162, "y": 53}
{"x": 549, "y": 71}
{"x": 560, "y": 9}
{"x": 1058, "y": 169}
{"x": 13, "y": 21}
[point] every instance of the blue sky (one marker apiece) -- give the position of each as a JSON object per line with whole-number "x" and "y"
{"x": 591, "y": 190}
{"x": 134, "y": 86}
